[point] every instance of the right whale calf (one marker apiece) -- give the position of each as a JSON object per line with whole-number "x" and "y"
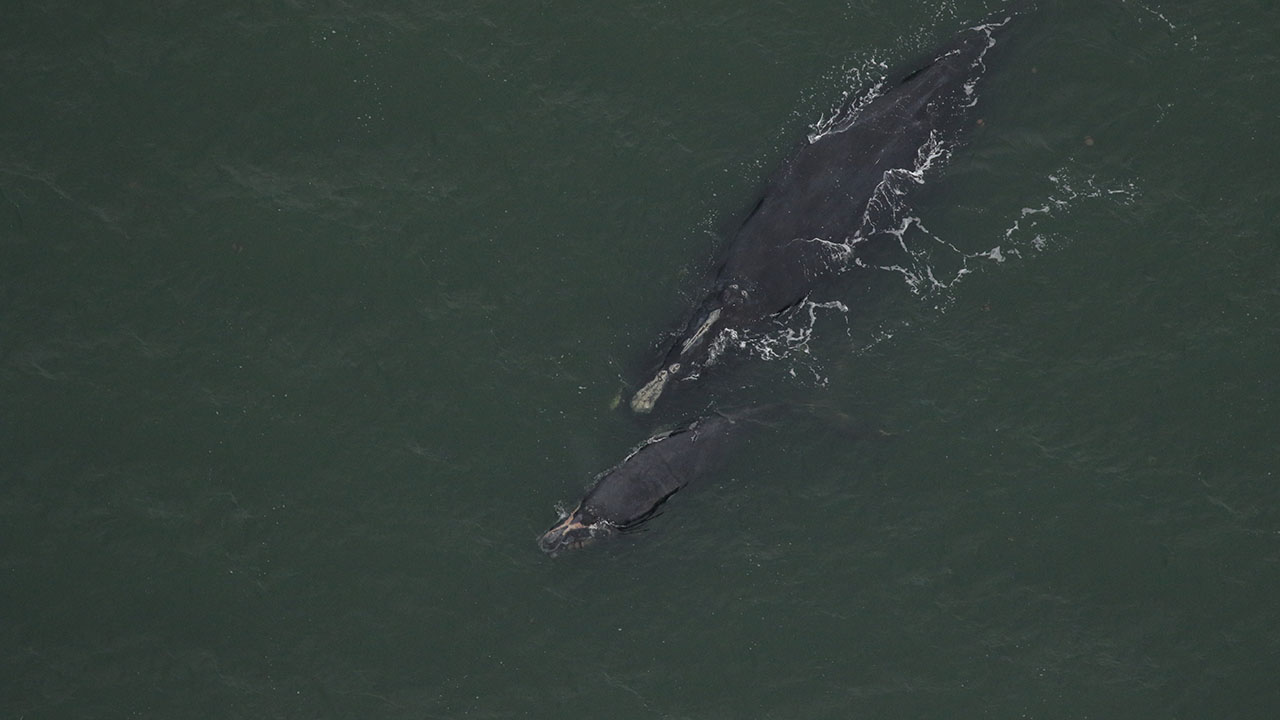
{"x": 832, "y": 190}
{"x": 630, "y": 494}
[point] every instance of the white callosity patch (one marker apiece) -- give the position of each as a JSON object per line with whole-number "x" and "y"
{"x": 706, "y": 325}
{"x": 644, "y": 400}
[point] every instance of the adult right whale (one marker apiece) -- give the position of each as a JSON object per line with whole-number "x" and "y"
{"x": 833, "y": 190}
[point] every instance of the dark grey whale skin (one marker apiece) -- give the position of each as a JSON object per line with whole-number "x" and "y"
{"x": 630, "y": 493}
{"x": 822, "y": 196}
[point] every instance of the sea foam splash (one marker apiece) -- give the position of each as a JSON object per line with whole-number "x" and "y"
{"x": 930, "y": 266}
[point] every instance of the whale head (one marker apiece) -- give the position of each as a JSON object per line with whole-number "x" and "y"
{"x": 578, "y": 528}
{"x": 693, "y": 348}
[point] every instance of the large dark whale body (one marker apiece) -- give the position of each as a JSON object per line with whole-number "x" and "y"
{"x": 832, "y": 190}
{"x": 630, "y": 493}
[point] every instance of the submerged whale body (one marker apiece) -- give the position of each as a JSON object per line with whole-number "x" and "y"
{"x": 831, "y": 191}
{"x": 629, "y": 494}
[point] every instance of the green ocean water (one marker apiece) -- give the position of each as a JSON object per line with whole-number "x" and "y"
{"x": 311, "y": 314}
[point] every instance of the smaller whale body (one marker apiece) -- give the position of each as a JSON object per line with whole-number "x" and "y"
{"x": 626, "y": 496}
{"x": 834, "y": 189}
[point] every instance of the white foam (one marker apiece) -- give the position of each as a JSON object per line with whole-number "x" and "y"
{"x": 930, "y": 266}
